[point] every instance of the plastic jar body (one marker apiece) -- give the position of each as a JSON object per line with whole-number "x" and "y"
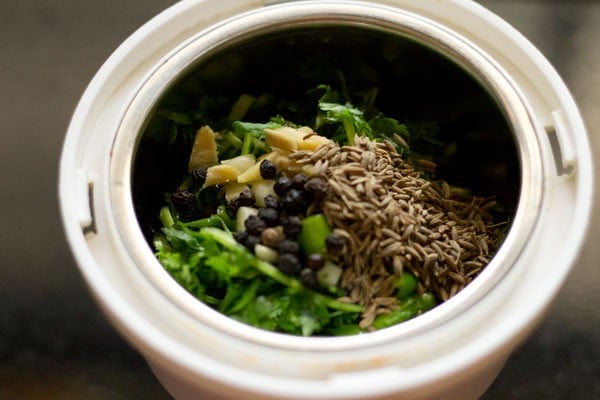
{"x": 456, "y": 350}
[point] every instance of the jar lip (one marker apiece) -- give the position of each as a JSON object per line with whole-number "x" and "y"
{"x": 340, "y": 14}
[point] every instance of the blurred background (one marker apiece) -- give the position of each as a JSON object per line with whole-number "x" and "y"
{"x": 55, "y": 344}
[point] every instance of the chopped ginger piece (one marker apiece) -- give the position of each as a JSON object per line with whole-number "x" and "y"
{"x": 241, "y": 163}
{"x": 312, "y": 142}
{"x": 220, "y": 174}
{"x": 204, "y": 152}
{"x": 289, "y": 139}
{"x": 285, "y": 138}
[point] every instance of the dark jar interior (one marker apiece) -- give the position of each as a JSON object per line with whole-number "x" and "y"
{"x": 397, "y": 76}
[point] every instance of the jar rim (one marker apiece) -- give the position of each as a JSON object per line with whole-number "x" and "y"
{"x": 340, "y": 14}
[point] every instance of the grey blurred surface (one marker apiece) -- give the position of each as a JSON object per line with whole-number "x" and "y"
{"x": 55, "y": 344}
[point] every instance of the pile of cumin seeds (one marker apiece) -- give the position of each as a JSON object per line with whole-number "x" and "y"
{"x": 395, "y": 220}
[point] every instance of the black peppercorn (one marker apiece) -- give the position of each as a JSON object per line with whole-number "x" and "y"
{"x": 294, "y": 201}
{"x": 309, "y": 278}
{"x": 252, "y": 241}
{"x": 288, "y": 246}
{"x": 317, "y": 188}
{"x": 241, "y": 236}
{"x": 267, "y": 169}
{"x": 282, "y": 185}
{"x": 298, "y": 181}
{"x": 335, "y": 244}
{"x": 269, "y": 215}
{"x": 292, "y": 226}
{"x": 245, "y": 198}
{"x": 271, "y": 202}
{"x": 315, "y": 261}
{"x": 289, "y": 264}
{"x": 254, "y": 225}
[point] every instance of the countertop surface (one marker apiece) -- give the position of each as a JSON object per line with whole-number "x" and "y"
{"x": 54, "y": 341}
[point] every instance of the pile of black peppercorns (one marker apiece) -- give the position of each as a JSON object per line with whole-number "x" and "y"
{"x": 278, "y": 224}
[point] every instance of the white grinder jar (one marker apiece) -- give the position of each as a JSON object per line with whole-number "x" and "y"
{"x": 455, "y": 350}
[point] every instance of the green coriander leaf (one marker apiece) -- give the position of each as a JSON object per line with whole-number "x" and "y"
{"x": 351, "y": 120}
